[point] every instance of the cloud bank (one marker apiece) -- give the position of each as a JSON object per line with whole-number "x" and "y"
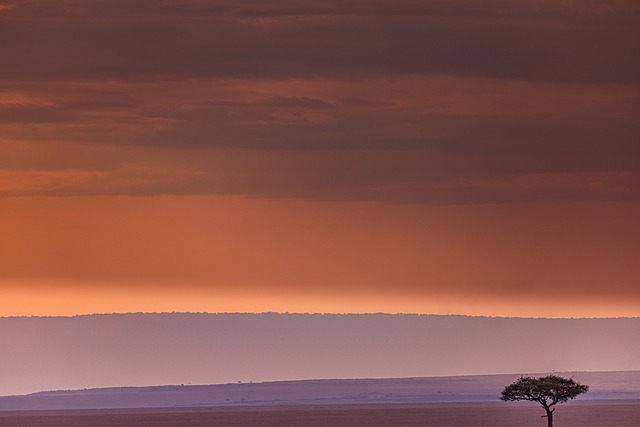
{"x": 436, "y": 102}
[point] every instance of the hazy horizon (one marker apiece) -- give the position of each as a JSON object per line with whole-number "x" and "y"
{"x": 319, "y": 313}
{"x": 47, "y": 353}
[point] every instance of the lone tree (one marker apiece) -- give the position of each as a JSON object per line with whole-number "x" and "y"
{"x": 547, "y": 391}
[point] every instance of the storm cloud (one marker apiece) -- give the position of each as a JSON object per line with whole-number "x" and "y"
{"x": 409, "y": 101}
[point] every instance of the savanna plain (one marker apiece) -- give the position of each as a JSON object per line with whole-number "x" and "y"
{"x": 622, "y": 413}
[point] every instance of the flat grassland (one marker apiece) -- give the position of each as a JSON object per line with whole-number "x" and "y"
{"x": 620, "y": 413}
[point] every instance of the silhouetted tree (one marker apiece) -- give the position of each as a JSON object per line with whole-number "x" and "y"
{"x": 547, "y": 391}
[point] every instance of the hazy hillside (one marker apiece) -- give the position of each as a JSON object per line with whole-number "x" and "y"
{"x": 53, "y": 353}
{"x": 485, "y": 388}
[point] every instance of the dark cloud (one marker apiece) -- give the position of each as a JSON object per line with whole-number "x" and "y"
{"x": 294, "y": 102}
{"x": 413, "y": 140}
{"x": 409, "y": 101}
{"x": 25, "y": 114}
{"x": 406, "y": 176}
{"x": 181, "y": 40}
{"x": 515, "y": 141}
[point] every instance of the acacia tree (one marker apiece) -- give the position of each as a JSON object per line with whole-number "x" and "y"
{"x": 547, "y": 391}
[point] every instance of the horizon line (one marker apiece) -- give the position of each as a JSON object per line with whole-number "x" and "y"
{"x": 284, "y": 313}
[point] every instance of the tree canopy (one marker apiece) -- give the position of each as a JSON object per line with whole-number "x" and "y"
{"x": 547, "y": 391}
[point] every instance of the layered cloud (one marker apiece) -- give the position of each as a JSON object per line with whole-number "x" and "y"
{"x": 411, "y": 101}
{"x": 412, "y": 138}
{"x": 551, "y": 41}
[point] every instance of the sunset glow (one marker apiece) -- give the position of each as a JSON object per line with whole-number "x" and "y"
{"x": 232, "y": 156}
{"x": 220, "y": 254}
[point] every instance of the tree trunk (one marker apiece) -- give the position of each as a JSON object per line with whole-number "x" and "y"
{"x": 549, "y": 418}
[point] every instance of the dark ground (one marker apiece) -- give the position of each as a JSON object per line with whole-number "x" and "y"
{"x": 621, "y": 413}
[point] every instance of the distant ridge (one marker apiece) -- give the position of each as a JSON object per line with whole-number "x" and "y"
{"x": 70, "y": 353}
{"x": 287, "y": 313}
{"x": 477, "y": 388}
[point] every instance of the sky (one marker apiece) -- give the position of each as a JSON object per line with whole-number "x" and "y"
{"x": 469, "y": 157}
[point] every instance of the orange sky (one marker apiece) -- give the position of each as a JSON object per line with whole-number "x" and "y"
{"x": 298, "y": 156}
{"x": 67, "y": 255}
